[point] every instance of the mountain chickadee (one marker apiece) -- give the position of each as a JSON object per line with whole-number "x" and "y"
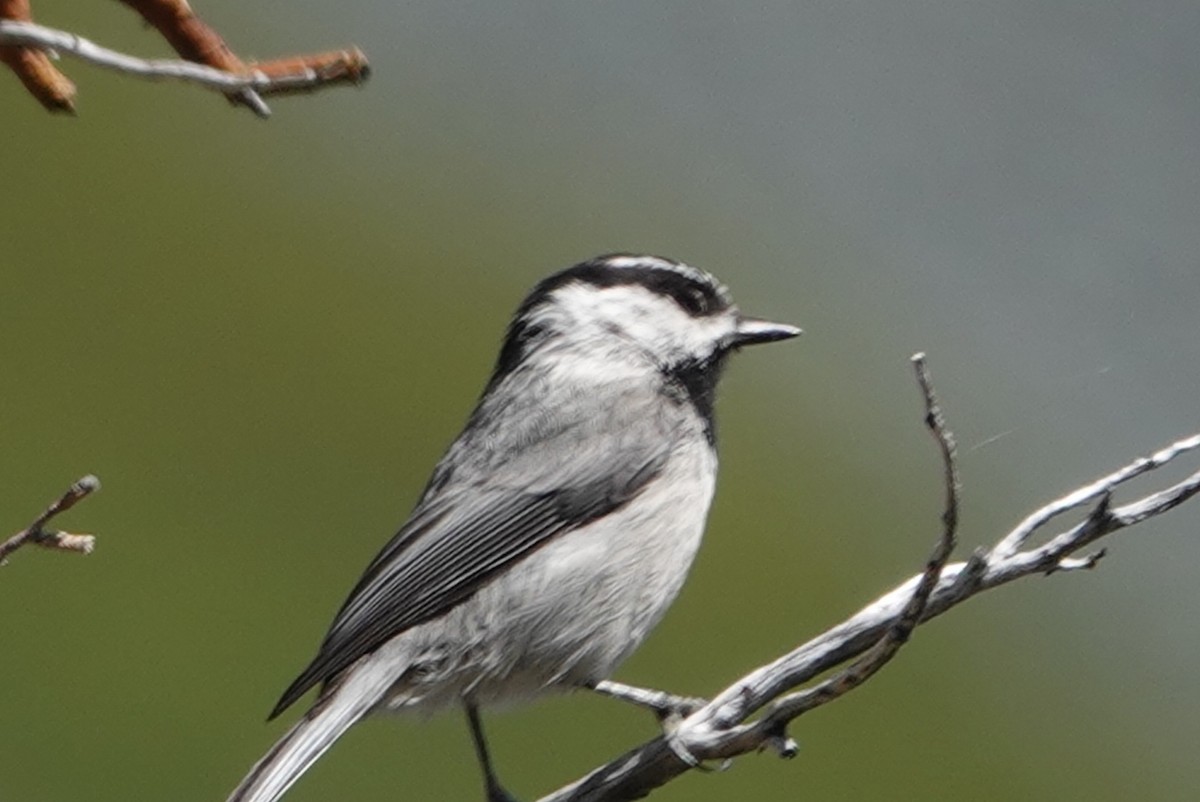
{"x": 557, "y": 528}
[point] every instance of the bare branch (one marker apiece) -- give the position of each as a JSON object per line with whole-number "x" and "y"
{"x": 1099, "y": 489}
{"x": 37, "y": 533}
{"x": 34, "y": 67}
{"x": 723, "y": 728}
{"x": 790, "y": 707}
{"x": 197, "y": 41}
{"x": 209, "y": 62}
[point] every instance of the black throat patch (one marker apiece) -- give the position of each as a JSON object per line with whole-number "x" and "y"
{"x": 695, "y": 381}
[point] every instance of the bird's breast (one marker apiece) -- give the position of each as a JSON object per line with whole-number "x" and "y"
{"x": 598, "y": 591}
{"x": 571, "y": 611}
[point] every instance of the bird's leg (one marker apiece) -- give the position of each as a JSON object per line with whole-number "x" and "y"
{"x": 495, "y": 792}
{"x": 667, "y": 707}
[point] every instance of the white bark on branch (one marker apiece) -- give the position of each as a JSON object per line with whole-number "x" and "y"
{"x": 301, "y": 78}
{"x": 724, "y": 727}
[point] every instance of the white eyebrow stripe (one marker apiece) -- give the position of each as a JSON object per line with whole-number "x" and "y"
{"x": 627, "y": 261}
{"x": 650, "y": 261}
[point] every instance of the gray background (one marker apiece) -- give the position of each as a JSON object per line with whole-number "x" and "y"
{"x": 261, "y": 336}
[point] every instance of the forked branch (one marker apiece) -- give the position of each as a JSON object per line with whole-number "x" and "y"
{"x": 27, "y": 49}
{"x": 753, "y": 712}
{"x": 37, "y": 533}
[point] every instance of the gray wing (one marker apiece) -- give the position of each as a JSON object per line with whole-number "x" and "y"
{"x": 512, "y": 488}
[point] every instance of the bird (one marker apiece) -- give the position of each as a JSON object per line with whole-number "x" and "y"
{"x": 557, "y": 528}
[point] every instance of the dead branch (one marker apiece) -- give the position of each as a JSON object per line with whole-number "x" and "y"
{"x": 37, "y": 534}
{"x": 26, "y": 48}
{"x": 726, "y": 727}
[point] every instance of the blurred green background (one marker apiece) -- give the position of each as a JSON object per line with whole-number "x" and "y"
{"x": 261, "y": 336}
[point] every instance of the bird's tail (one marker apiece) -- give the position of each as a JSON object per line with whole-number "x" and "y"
{"x": 308, "y": 739}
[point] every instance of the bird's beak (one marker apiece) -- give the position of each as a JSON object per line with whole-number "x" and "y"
{"x": 751, "y": 331}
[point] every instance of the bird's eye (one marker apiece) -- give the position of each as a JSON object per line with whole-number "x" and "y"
{"x": 693, "y": 300}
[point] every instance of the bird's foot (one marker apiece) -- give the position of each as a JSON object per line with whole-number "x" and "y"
{"x": 496, "y": 793}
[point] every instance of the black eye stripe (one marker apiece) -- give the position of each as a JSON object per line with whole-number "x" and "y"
{"x": 696, "y": 298}
{"x": 693, "y": 300}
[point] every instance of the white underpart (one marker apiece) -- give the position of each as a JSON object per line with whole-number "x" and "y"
{"x": 568, "y": 613}
{"x": 539, "y": 626}
{"x": 546, "y": 610}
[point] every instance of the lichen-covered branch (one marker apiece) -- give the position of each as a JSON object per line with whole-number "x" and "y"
{"x": 752, "y": 713}
{"x": 37, "y": 533}
{"x": 26, "y": 48}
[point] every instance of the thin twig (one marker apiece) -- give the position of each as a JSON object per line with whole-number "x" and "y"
{"x": 1017, "y": 538}
{"x": 33, "y": 67}
{"x": 303, "y": 77}
{"x": 790, "y": 707}
{"x": 37, "y": 533}
{"x": 26, "y": 48}
{"x": 195, "y": 40}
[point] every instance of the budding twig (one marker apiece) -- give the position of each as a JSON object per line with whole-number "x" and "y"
{"x": 37, "y": 534}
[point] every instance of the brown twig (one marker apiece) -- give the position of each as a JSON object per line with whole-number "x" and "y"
{"x": 33, "y": 67}
{"x": 37, "y": 533}
{"x": 208, "y": 60}
{"x": 333, "y": 67}
{"x": 195, "y": 40}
